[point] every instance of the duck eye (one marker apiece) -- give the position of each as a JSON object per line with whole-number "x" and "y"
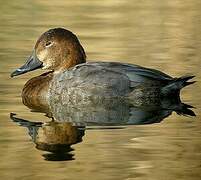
{"x": 49, "y": 43}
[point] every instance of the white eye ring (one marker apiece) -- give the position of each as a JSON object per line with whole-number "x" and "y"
{"x": 48, "y": 44}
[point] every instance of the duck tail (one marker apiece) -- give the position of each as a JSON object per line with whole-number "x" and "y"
{"x": 174, "y": 87}
{"x": 185, "y": 110}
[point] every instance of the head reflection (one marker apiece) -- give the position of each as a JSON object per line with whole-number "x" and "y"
{"x": 53, "y": 137}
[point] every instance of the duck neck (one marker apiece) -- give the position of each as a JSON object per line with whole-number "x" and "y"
{"x": 74, "y": 58}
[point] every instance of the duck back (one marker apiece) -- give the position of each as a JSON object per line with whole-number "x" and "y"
{"x": 97, "y": 81}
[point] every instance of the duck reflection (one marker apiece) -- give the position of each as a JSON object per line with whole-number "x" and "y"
{"x": 53, "y": 137}
{"x": 68, "y": 124}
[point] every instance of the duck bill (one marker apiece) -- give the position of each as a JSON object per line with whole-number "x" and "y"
{"x": 31, "y": 64}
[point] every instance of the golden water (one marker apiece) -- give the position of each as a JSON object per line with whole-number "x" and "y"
{"x": 164, "y": 35}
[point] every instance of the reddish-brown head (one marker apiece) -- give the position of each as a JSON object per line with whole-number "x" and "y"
{"x": 57, "y": 49}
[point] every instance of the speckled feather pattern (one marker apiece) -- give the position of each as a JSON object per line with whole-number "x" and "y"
{"x": 96, "y": 82}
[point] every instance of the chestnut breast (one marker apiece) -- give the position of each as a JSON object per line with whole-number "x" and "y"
{"x": 35, "y": 91}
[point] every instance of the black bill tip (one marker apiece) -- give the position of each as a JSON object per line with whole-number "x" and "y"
{"x": 16, "y": 72}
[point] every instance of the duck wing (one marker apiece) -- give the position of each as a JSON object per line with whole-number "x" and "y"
{"x": 135, "y": 73}
{"x": 140, "y": 75}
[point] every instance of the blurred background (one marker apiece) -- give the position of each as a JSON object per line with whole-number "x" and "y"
{"x": 163, "y": 35}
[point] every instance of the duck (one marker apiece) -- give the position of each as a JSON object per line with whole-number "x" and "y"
{"x": 72, "y": 80}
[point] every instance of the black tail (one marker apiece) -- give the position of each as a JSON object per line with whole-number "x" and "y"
{"x": 176, "y": 85}
{"x": 184, "y": 109}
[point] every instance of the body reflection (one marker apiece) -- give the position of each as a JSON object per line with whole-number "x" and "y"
{"x": 69, "y": 123}
{"x": 116, "y": 112}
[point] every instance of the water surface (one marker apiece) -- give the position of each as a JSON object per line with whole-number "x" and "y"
{"x": 164, "y": 35}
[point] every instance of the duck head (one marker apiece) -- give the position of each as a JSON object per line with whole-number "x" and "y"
{"x": 56, "y": 50}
